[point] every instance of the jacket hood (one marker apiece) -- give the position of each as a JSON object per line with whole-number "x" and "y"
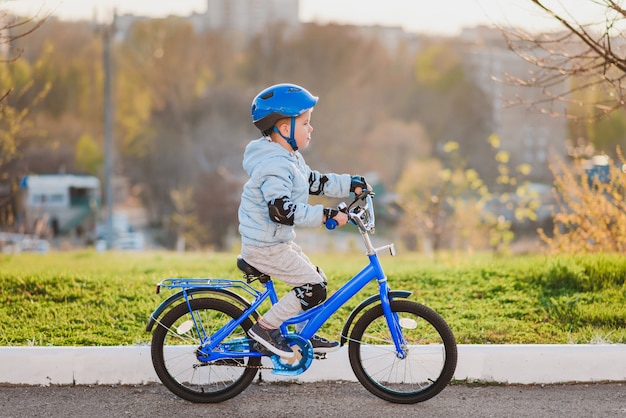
{"x": 259, "y": 151}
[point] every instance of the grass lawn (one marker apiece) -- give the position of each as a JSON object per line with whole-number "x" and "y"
{"x": 87, "y": 298}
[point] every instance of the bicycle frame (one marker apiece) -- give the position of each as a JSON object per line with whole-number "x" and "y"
{"x": 314, "y": 317}
{"x": 317, "y": 316}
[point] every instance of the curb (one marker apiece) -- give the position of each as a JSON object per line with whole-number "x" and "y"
{"x": 512, "y": 364}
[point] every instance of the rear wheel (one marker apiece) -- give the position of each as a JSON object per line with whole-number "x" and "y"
{"x": 430, "y": 349}
{"x": 175, "y": 342}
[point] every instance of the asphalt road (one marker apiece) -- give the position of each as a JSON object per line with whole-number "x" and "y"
{"x": 320, "y": 399}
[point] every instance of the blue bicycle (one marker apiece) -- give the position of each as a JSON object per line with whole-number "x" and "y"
{"x": 399, "y": 350}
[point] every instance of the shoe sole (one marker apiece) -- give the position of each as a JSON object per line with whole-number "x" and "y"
{"x": 269, "y": 346}
{"x": 324, "y": 350}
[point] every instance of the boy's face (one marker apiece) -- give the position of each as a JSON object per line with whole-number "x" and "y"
{"x": 303, "y": 129}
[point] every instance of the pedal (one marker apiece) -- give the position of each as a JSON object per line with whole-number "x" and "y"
{"x": 319, "y": 356}
{"x": 258, "y": 347}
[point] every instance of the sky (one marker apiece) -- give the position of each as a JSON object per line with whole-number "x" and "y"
{"x": 444, "y": 17}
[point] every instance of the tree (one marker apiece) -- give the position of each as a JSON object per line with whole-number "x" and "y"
{"x": 89, "y": 156}
{"x": 184, "y": 220}
{"x": 14, "y": 28}
{"x": 353, "y": 75}
{"x": 587, "y": 56}
{"x": 590, "y": 51}
{"x": 15, "y": 85}
{"x": 181, "y": 120}
{"x": 410, "y": 141}
{"x": 64, "y": 61}
{"x": 160, "y": 67}
{"x": 217, "y": 201}
{"x": 182, "y": 103}
{"x": 449, "y": 105}
{"x": 16, "y": 97}
{"x": 451, "y": 207}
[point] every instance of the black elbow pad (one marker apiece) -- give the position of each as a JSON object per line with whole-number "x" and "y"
{"x": 317, "y": 183}
{"x": 282, "y": 210}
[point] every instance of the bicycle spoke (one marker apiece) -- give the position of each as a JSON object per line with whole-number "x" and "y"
{"x": 175, "y": 355}
{"x": 430, "y": 353}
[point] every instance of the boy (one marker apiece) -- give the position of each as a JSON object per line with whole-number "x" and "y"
{"x": 274, "y": 200}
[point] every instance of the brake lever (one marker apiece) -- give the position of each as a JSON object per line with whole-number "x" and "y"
{"x": 361, "y": 197}
{"x": 348, "y": 209}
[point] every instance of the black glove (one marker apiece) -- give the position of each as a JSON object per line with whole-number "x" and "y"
{"x": 358, "y": 181}
{"x": 330, "y": 213}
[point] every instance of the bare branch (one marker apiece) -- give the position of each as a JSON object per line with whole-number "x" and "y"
{"x": 584, "y": 57}
{"x": 15, "y": 29}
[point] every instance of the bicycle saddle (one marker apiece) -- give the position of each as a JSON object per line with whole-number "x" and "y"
{"x": 251, "y": 273}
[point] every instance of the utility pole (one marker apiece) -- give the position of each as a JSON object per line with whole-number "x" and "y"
{"x": 108, "y": 31}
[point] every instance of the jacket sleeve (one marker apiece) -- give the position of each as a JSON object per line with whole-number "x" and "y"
{"x": 277, "y": 185}
{"x": 332, "y": 185}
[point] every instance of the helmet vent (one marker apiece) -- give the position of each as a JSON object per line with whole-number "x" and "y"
{"x": 268, "y": 95}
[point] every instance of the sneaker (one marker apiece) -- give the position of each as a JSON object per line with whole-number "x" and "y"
{"x": 272, "y": 339}
{"x": 322, "y": 345}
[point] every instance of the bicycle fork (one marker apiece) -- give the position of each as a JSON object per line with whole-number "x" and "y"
{"x": 393, "y": 322}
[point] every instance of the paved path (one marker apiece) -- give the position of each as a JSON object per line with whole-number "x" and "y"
{"x": 318, "y": 399}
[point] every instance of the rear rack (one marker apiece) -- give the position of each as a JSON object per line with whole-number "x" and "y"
{"x": 206, "y": 283}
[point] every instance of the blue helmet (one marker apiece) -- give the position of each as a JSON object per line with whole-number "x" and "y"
{"x": 280, "y": 101}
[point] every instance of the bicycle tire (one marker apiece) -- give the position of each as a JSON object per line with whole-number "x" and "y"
{"x": 174, "y": 346}
{"x": 431, "y": 353}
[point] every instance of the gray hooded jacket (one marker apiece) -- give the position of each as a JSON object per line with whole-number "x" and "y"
{"x": 276, "y": 173}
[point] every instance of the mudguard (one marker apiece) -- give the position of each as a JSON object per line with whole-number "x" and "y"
{"x": 170, "y": 302}
{"x": 372, "y": 299}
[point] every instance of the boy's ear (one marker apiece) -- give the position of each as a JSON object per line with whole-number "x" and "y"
{"x": 283, "y": 127}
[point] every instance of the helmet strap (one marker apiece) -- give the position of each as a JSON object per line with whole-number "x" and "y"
{"x": 291, "y": 140}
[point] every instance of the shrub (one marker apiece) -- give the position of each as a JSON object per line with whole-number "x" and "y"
{"x": 592, "y": 209}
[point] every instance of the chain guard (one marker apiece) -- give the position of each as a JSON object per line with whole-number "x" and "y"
{"x": 282, "y": 366}
{"x": 299, "y": 363}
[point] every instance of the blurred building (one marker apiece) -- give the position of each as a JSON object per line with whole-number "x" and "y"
{"x": 242, "y": 19}
{"x": 531, "y": 134}
{"x": 249, "y": 16}
{"x": 60, "y": 204}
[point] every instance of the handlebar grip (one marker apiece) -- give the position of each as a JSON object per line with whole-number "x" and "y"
{"x": 331, "y": 223}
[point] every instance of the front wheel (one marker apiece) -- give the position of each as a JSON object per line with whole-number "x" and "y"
{"x": 176, "y": 340}
{"x": 429, "y": 345}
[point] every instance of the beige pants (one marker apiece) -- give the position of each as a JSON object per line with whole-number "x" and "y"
{"x": 288, "y": 263}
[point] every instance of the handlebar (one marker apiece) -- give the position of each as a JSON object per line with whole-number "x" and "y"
{"x": 360, "y": 212}
{"x": 331, "y": 223}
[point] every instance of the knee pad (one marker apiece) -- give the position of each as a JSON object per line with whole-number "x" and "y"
{"x": 310, "y": 295}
